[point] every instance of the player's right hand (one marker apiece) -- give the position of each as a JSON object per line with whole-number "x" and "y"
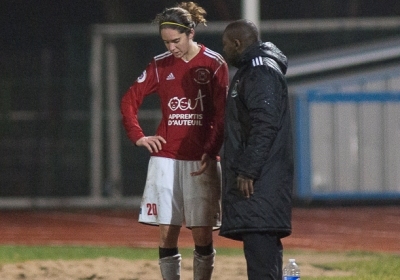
{"x": 245, "y": 185}
{"x": 204, "y": 163}
{"x": 151, "y": 143}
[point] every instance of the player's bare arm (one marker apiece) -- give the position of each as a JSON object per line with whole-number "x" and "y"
{"x": 245, "y": 185}
{"x": 204, "y": 163}
{"x": 151, "y": 143}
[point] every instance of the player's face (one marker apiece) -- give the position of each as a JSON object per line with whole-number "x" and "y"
{"x": 230, "y": 49}
{"x": 177, "y": 43}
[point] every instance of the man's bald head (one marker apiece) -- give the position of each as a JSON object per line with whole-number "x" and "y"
{"x": 238, "y": 35}
{"x": 244, "y": 31}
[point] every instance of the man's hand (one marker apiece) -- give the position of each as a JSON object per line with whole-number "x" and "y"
{"x": 205, "y": 162}
{"x": 245, "y": 185}
{"x": 151, "y": 143}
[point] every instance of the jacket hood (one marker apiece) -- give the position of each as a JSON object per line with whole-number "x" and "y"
{"x": 265, "y": 49}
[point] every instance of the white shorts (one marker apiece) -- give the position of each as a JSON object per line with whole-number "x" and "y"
{"x": 173, "y": 197}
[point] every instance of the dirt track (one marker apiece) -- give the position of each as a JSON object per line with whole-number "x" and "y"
{"x": 337, "y": 229}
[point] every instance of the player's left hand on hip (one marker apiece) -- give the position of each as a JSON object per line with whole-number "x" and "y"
{"x": 205, "y": 161}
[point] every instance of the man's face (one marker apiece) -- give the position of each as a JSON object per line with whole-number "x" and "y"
{"x": 230, "y": 49}
{"x": 177, "y": 43}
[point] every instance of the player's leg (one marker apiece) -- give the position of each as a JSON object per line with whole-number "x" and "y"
{"x": 202, "y": 214}
{"x": 169, "y": 257}
{"x": 263, "y": 253}
{"x": 162, "y": 205}
{"x": 202, "y": 235}
{"x": 203, "y": 254}
{"x": 169, "y": 235}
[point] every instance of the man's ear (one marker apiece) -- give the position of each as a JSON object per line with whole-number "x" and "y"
{"x": 237, "y": 43}
{"x": 239, "y": 46}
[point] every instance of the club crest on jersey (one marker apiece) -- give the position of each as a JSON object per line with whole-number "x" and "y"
{"x": 202, "y": 76}
{"x": 142, "y": 77}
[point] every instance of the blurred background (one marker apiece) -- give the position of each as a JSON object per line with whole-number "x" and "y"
{"x": 64, "y": 65}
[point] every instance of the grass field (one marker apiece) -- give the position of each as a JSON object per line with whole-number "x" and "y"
{"x": 314, "y": 265}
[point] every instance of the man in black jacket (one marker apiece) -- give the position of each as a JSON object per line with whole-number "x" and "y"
{"x": 257, "y": 156}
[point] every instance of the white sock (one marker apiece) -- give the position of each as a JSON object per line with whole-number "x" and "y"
{"x": 171, "y": 267}
{"x": 203, "y": 266}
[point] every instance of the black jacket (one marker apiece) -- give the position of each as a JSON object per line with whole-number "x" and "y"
{"x": 258, "y": 145}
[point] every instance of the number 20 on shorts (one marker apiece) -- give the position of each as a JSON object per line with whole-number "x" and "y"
{"x": 151, "y": 209}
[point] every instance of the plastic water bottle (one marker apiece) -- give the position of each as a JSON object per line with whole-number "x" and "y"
{"x": 291, "y": 271}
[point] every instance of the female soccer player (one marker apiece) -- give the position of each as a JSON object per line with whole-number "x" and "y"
{"x": 183, "y": 179}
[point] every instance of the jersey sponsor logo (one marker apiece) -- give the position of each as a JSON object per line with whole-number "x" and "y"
{"x": 142, "y": 77}
{"x": 185, "y": 104}
{"x": 185, "y": 119}
{"x": 202, "y": 76}
{"x": 170, "y": 77}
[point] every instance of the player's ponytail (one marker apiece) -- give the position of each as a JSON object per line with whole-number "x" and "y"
{"x": 183, "y": 17}
{"x": 198, "y": 13}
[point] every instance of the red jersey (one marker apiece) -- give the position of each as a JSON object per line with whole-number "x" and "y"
{"x": 192, "y": 95}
